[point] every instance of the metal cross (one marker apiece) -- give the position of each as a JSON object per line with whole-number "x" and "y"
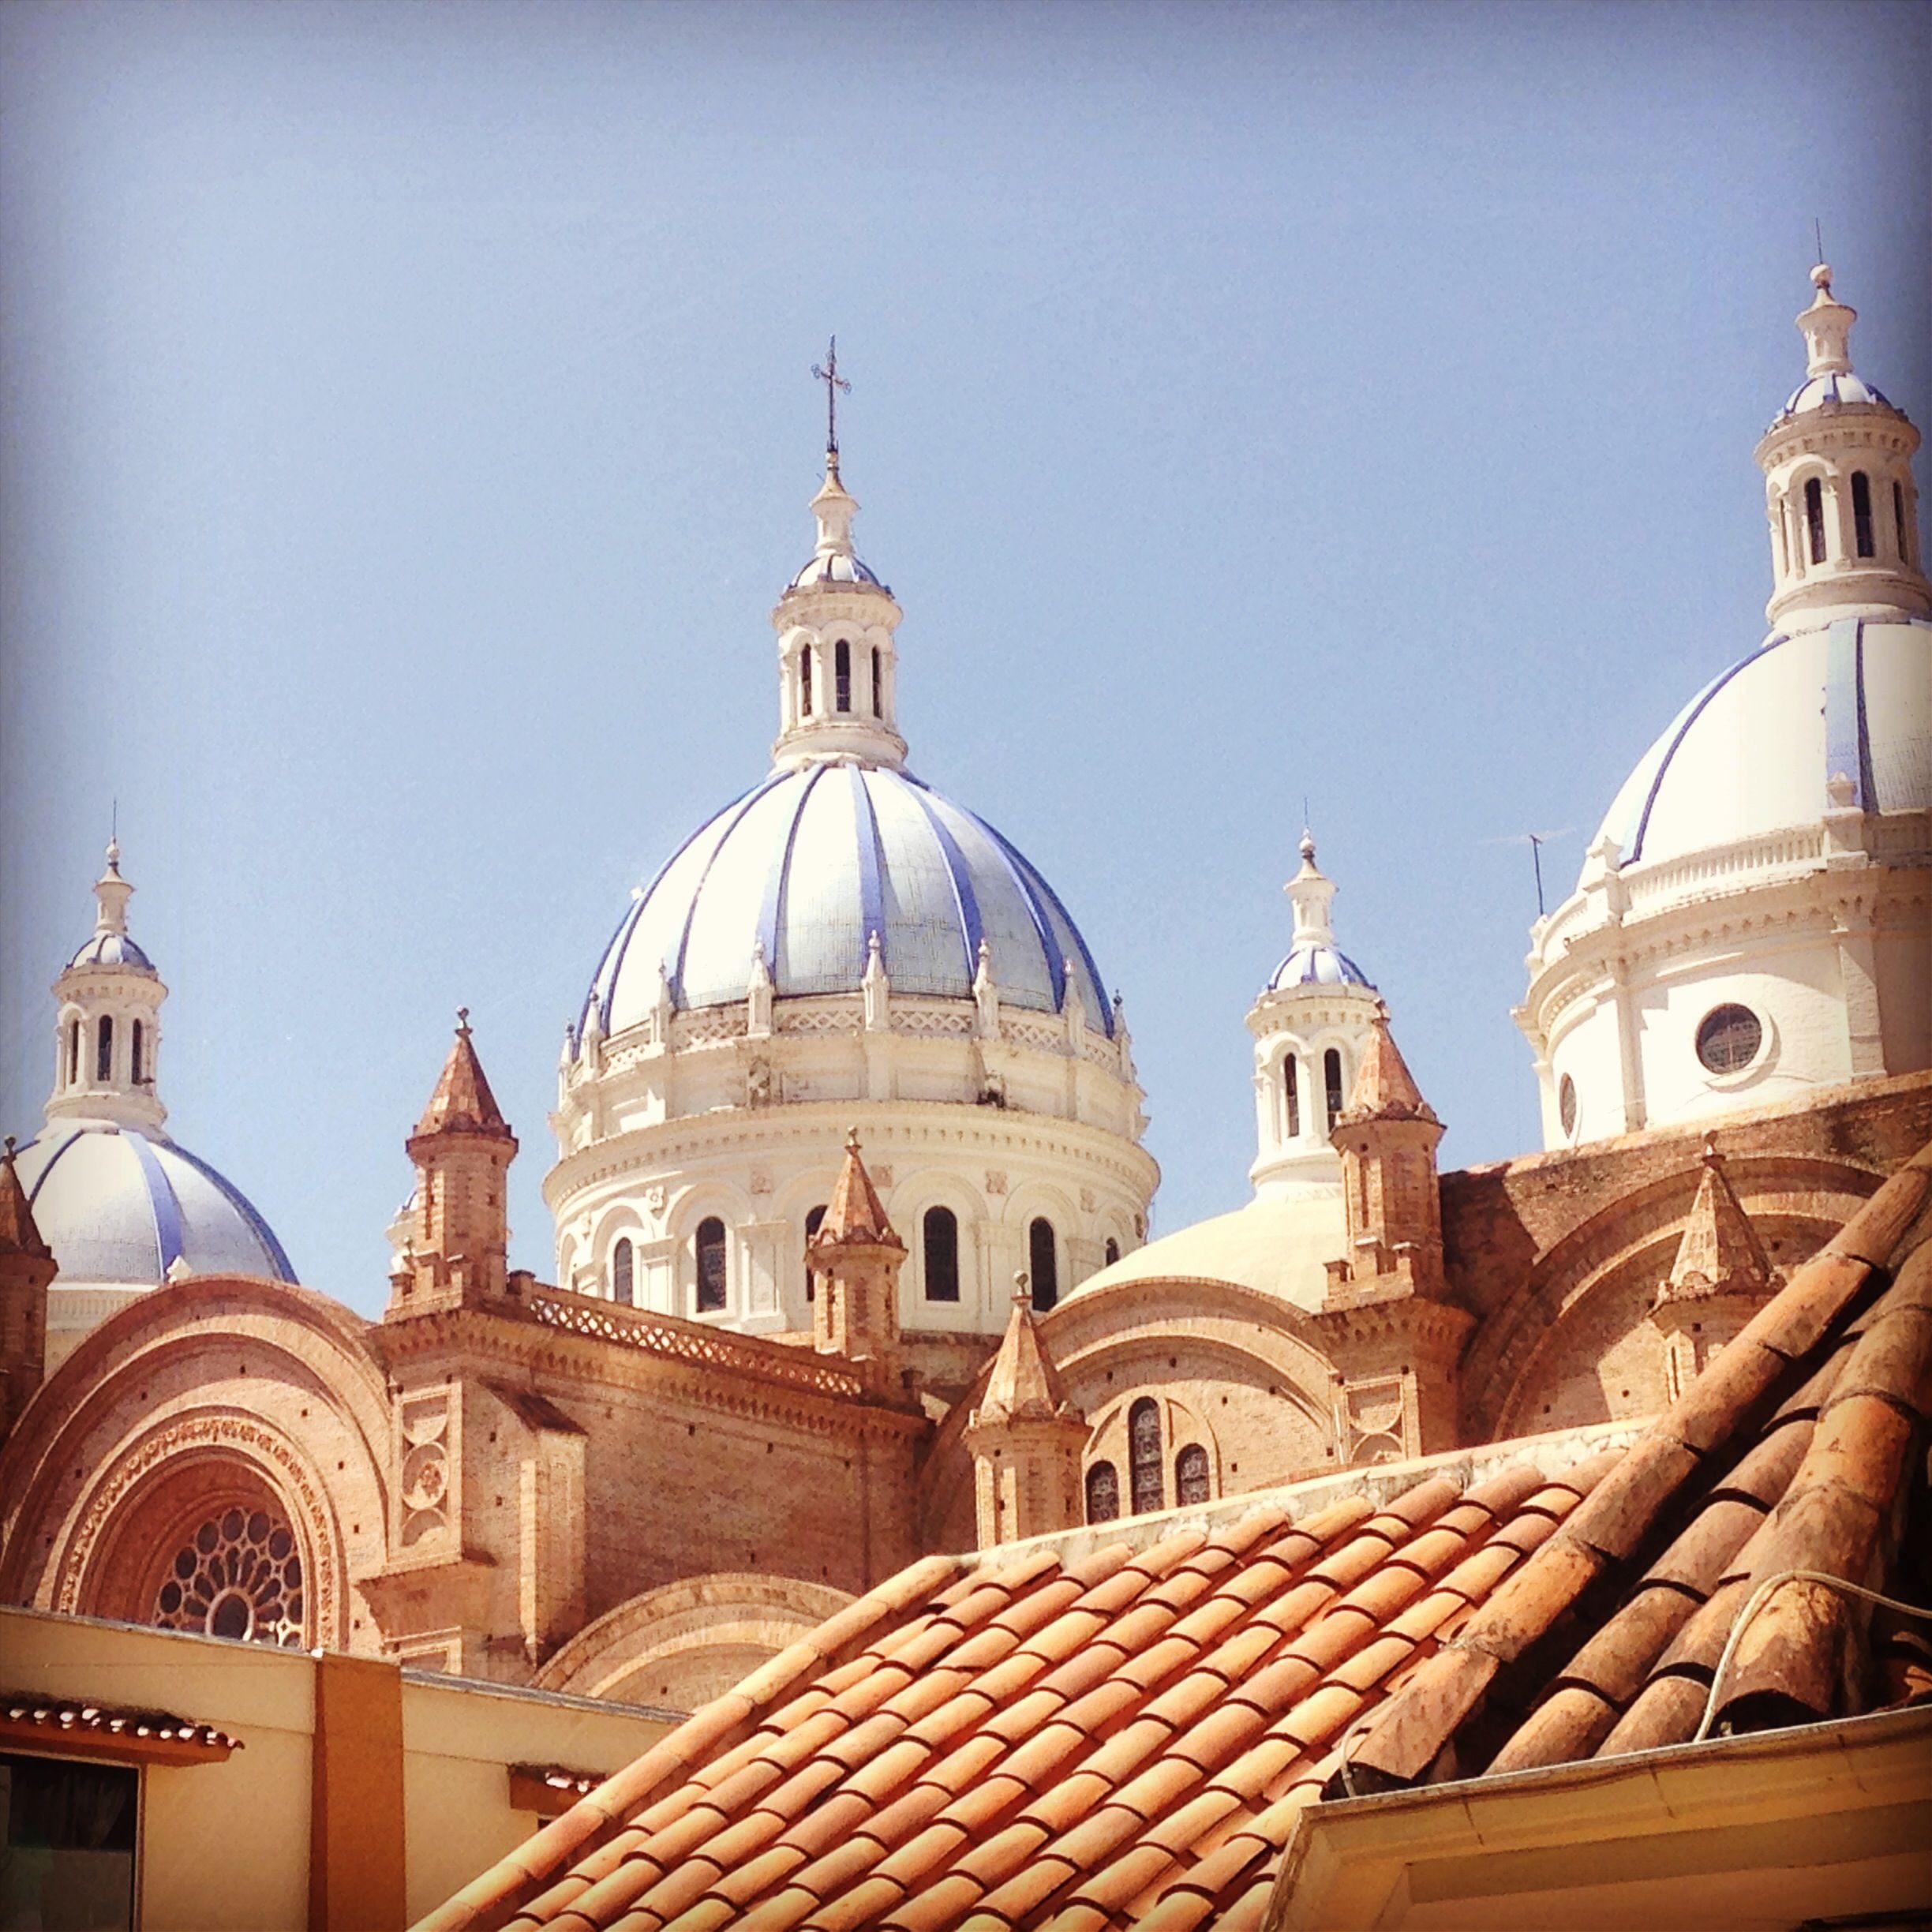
{"x": 834, "y": 382}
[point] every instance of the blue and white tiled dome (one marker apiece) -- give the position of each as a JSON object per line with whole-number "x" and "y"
{"x": 835, "y": 569}
{"x": 112, "y": 949}
{"x": 1312, "y": 963}
{"x": 810, "y": 864}
{"x": 1755, "y": 750}
{"x": 119, "y": 1206}
{"x": 1817, "y": 391}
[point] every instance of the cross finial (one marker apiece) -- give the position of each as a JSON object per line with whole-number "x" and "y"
{"x": 462, "y": 1021}
{"x": 834, "y": 382}
{"x": 1023, "y": 1288}
{"x": 10, "y": 1150}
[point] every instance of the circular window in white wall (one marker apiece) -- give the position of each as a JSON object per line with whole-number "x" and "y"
{"x": 1566, "y": 1104}
{"x": 1729, "y": 1038}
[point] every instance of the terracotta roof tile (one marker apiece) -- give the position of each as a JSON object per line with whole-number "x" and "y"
{"x": 855, "y": 1214}
{"x": 462, "y": 1102}
{"x": 1129, "y": 1736}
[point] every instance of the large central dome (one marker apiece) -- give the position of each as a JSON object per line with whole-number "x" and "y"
{"x": 811, "y": 863}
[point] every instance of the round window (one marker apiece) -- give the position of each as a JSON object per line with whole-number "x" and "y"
{"x": 1566, "y": 1104}
{"x": 1728, "y": 1038}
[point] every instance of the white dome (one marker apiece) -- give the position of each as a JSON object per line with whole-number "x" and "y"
{"x": 117, "y": 1205}
{"x": 1816, "y": 391}
{"x": 1753, "y": 752}
{"x": 811, "y": 863}
{"x": 1277, "y": 1245}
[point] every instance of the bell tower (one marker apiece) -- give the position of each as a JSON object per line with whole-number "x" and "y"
{"x": 1838, "y": 485}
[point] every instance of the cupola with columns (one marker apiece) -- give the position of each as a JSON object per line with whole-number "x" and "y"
{"x": 1310, "y": 1025}
{"x": 107, "y": 1029}
{"x": 838, "y": 660}
{"x": 1838, "y": 482}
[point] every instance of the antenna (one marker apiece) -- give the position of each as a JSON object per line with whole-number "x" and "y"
{"x": 1818, "y": 234}
{"x": 1536, "y": 859}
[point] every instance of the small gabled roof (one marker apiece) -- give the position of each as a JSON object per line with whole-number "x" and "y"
{"x": 462, "y": 1102}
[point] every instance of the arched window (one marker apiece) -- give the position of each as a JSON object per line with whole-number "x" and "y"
{"x": 1143, "y": 1456}
{"x": 710, "y": 1246}
{"x": 1331, "y": 1080}
{"x": 805, "y": 670}
{"x": 104, "y": 1049}
{"x": 1110, "y": 1253}
{"x": 813, "y": 1219}
{"x": 1898, "y": 516}
{"x": 1103, "y": 1493}
{"x": 134, "y": 1052}
{"x": 624, "y": 1274}
{"x": 1861, "y": 512}
{"x": 1191, "y": 1474}
{"x": 942, "y": 1253}
{"x": 878, "y": 683}
{"x": 1291, "y": 1093}
{"x": 841, "y": 674}
{"x": 1044, "y": 1263}
{"x": 1814, "y": 519}
{"x": 238, "y": 1575}
{"x": 74, "y": 1053}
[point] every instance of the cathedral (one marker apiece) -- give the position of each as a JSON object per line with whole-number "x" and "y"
{"x": 852, "y": 1287}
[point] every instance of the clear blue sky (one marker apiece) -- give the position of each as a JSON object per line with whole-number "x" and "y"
{"x": 409, "y": 430}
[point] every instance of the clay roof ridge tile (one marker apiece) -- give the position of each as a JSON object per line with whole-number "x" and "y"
{"x": 1240, "y": 1537}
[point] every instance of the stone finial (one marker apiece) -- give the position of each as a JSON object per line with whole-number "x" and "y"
{"x": 1719, "y": 1253}
{"x": 1826, "y": 326}
{"x": 1311, "y": 892}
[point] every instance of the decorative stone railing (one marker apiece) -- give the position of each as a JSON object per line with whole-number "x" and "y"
{"x": 676, "y": 1341}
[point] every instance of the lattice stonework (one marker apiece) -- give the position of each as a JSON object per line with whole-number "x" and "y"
{"x": 239, "y": 1575}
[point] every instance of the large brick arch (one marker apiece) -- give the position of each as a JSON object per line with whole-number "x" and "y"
{"x": 1570, "y": 1344}
{"x": 211, "y": 1393}
{"x": 684, "y": 1643}
{"x": 1249, "y": 1364}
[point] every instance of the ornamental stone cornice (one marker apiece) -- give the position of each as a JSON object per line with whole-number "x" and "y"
{"x": 1834, "y": 426}
{"x": 901, "y": 1126}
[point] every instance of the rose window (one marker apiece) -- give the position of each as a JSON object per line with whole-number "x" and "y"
{"x": 239, "y": 1575}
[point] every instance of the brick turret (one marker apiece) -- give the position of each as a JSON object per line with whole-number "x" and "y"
{"x": 462, "y": 1148}
{"x": 27, "y": 1267}
{"x": 857, "y": 1257}
{"x": 1026, "y": 1437}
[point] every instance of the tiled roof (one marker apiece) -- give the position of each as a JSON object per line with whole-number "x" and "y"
{"x": 1084, "y": 1735}
{"x": 1023, "y": 1384}
{"x": 28, "y": 1716}
{"x": 462, "y": 1102}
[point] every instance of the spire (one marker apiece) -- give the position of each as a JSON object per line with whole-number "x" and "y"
{"x": 111, "y": 893}
{"x": 1721, "y": 1252}
{"x": 462, "y": 1102}
{"x": 1384, "y": 1088}
{"x": 836, "y": 656}
{"x": 1022, "y": 1385}
{"x": 1826, "y": 326}
{"x": 1311, "y": 892}
{"x": 19, "y": 1234}
{"x": 856, "y": 1214}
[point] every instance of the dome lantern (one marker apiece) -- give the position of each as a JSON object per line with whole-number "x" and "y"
{"x": 107, "y": 1033}
{"x": 837, "y": 658}
{"x": 1839, "y": 492}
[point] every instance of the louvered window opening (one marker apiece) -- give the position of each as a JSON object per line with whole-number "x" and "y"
{"x": 1814, "y": 519}
{"x": 1861, "y": 512}
{"x": 841, "y": 674}
{"x": 1331, "y": 1080}
{"x": 104, "y": 1049}
{"x": 1291, "y": 1093}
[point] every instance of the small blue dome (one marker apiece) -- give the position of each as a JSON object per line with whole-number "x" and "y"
{"x": 111, "y": 948}
{"x": 812, "y": 862}
{"x": 838, "y": 568}
{"x": 1318, "y": 965}
{"x": 117, "y": 1205}
{"x": 1819, "y": 390}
